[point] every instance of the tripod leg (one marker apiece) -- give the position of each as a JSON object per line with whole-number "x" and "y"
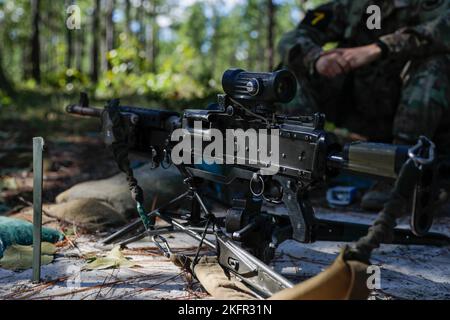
{"x": 195, "y": 213}
{"x": 202, "y": 205}
{"x": 187, "y": 230}
{"x": 329, "y": 230}
{"x": 144, "y": 234}
{"x": 160, "y": 231}
{"x": 137, "y": 223}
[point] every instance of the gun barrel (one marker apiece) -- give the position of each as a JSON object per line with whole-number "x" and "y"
{"x": 84, "y": 111}
{"x": 378, "y": 159}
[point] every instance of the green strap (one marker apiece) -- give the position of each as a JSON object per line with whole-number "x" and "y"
{"x": 144, "y": 218}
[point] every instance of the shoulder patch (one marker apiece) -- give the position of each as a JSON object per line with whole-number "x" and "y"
{"x": 318, "y": 18}
{"x": 428, "y": 5}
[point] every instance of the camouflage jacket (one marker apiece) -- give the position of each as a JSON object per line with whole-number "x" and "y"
{"x": 409, "y": 28}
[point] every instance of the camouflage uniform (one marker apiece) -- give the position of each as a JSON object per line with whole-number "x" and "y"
{"x": 404, "y": 94}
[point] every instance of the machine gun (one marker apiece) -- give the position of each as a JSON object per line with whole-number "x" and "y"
{"x": 247, "y": 235}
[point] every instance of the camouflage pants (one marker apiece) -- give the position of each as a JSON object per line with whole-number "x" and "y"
{"x": 424, "y": 107}
{"x": 382, "y": 105}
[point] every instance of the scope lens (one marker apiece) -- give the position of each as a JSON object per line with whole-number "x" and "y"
{"x": 285, "y": 88}
{"x": 258, "y": 87}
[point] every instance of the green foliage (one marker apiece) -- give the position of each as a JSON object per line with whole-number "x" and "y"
{"x": 194, "y": 29}
{"x": 4, "y": 100}
{"x": 163, "y": 49}
{"x": 175, "y": 79}
{"x": 69, "y": 80}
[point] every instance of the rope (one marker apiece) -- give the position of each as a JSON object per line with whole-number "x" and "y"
{"x": 119, "y": 146}
{"x": 382, "y": 230}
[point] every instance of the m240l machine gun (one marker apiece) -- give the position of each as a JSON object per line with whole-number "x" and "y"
{"x": 275, "y": 158}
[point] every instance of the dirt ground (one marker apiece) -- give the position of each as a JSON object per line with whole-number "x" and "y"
{"x": 407, "y": 272}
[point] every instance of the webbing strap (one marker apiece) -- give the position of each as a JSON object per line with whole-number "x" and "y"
{"x": 120, "y": 149}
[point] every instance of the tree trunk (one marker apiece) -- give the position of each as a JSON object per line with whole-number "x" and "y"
{"x": 25, "y": 60}
{"x": 80, "y": 50}
{"x": 270, "y": 33}
{"x": 35, "y": 43}
{"x": 140, "y": 15}
{"x": 152, "y": 31}
{"x": 95, "y": 41}
{"x": 5, "y": 84}
{"x": 215, "y": 41}
{"x": 109, "y": 29}
{"x": 127, "y": 17}
{"x": 69, "y": 38}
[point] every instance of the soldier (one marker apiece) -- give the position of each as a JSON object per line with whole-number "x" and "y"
{"x": 390, "y": 84}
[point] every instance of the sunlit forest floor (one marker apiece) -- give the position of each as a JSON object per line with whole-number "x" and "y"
{"x": 407, "y": 272}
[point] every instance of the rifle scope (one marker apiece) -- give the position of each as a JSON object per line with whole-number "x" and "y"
{"x": 270, "y": 87}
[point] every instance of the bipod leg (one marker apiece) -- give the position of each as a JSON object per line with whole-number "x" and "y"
{"x": 137, "y": 223}
{"x": 187, "y": 230}
{"x": 148, "y": 233}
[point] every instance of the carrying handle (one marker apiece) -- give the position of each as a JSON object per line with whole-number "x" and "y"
{"x": 417, "y": 152}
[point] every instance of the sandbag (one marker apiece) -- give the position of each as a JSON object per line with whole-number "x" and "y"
{"x": 343, "y": 280}
{"x": 216, "y": 282}
{"x": 15, "y": 231}
{"x": 88, "y": 214}
{"x": 17, "y": 257}
{"x": 165, "y": 184}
